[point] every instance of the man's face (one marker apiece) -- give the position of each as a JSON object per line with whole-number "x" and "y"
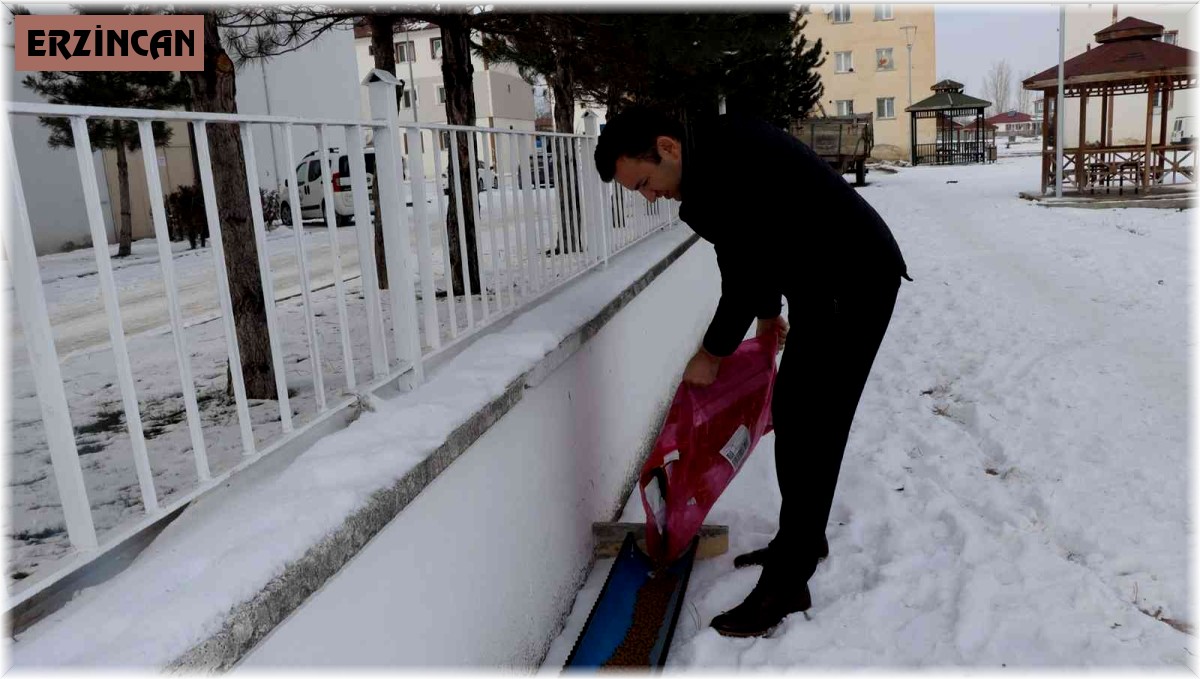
{"x": 653, "y": 180}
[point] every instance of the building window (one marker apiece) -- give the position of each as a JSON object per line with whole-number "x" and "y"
{"x": 1159, "y": 98}
{"x": 885, "y": 107}
{"x": 841, "y": 14}
{"x": 435, "y": 48}
{"x": 843, "y": 62}
{"x": 1170, "y": 37}
{"x": 845, "y": 107}
{"x": 443, "y": 139}
{"x": 405, "y": 52}
{"x": 441, "y": 94}
{"x": 884, "y": 13}
{"x": 883, "y": 59}
{"x": 406, "y": 99}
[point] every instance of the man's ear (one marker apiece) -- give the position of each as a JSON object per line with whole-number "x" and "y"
{"x": 668, "y": 146}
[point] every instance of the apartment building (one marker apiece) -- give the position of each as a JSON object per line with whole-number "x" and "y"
{"x": 867, "y": 66}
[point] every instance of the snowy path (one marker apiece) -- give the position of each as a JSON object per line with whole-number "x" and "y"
{"x": 1014, "y": 491}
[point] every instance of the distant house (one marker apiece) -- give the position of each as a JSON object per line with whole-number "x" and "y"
{"x": 968, "y": 131}
{"x": 1013, "y": 124}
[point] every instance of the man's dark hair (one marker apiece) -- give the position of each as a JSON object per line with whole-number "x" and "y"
{"x": 633, "y": 133}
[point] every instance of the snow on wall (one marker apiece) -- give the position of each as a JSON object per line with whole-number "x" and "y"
{"x": 482, "y": 568}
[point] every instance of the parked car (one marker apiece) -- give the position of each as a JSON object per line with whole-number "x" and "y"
{"x": 541, "y": 165}
{"x": 312, "y": 193}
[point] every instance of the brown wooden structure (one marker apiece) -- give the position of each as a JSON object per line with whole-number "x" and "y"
{"x": 1129, "y": 59}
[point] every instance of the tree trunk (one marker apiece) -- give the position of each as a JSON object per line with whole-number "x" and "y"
{"x": 213, "y": 91}
{"x": 563, "y": 85}
{"x": 383, "y": 29}
{"x": 125, "y": 233}
{"x": 460, "y": 110}
{"x": 377, "y": 219}
{"x": 195, "y": 167}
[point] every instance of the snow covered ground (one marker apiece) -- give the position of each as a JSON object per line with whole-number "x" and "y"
{"x": 1015, "y": 487}
{"x": 37, "y": 536}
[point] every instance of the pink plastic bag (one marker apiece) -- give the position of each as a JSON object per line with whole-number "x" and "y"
{"x": 708, "y": 435}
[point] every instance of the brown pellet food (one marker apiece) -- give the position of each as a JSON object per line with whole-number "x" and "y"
{"x": 652, "y": 599}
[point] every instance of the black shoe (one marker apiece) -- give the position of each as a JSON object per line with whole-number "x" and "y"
{"x": 762, "y": 611}
{"x": 759, "y": 556}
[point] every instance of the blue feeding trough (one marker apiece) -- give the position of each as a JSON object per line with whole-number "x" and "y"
{"x": 632, "y": 622}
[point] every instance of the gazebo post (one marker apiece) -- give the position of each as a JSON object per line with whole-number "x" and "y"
{"x": 1080, "y": 175}
{"x": 973, "y": 153}
{"x": 1054, "y": 159}
{"x": 1166, "y": 97}
{"x": 1045, "y": 138}
{"x": 912, "y": 151}
{"x": 1112, "y": 114}
{"x": 1104, "y": 116}
{"x": 1149, "y": 132}
{"x": 1162, "y": 132}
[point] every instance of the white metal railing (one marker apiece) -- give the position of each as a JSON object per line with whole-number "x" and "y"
{"x": 541, "y": 218}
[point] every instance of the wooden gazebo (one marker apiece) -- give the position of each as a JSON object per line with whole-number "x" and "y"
{"x": 1128, "y": 60}
{"x": 949, "y": 148}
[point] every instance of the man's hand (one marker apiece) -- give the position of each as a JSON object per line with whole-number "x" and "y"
{"x": 701, "y": 371}
{"x": 777, "y": 325}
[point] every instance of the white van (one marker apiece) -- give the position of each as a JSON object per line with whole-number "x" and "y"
{"x": 312, "y": 193}
{"x": 1183, "y": 131}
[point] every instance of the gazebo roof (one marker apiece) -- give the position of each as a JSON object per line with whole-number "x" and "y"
{"x": 948, "y": 100}
{"x": 1127, "y": 52}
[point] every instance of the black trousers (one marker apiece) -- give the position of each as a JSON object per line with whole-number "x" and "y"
{"x": 830, "y": 348}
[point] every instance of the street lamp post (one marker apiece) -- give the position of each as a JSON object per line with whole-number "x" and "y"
{"x": 910, "y": 32}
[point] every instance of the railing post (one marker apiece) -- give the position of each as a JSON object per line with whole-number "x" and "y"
{"x": 335, "y": 249}
{"x": 364, "y": 231}
{"x": 310, "y": 324}
{"x": 528, "y": 204}
{"x": 381, "y": 87}
{"x": 595, "y": 212}
{"x": 39, "y": 342}
{"x": 416, "y": 178}
{"x": 108, "y": 289}
{"x": 209, "y": 190}
{"x": 264, "y": 270}
{"x": 171, "y": 288}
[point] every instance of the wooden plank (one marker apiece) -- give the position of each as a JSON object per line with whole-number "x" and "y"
{"x": 607, "y": 537}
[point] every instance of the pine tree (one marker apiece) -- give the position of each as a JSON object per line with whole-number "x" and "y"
{"x": 125, "y": 89}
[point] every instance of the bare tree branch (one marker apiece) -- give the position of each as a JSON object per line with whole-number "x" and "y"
{"x": 998, "y": 86}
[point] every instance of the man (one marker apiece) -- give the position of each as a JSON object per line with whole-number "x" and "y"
{"x": 783, "y": 223}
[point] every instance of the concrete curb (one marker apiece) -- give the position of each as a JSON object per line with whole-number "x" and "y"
{"x": 252, "y": 620}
